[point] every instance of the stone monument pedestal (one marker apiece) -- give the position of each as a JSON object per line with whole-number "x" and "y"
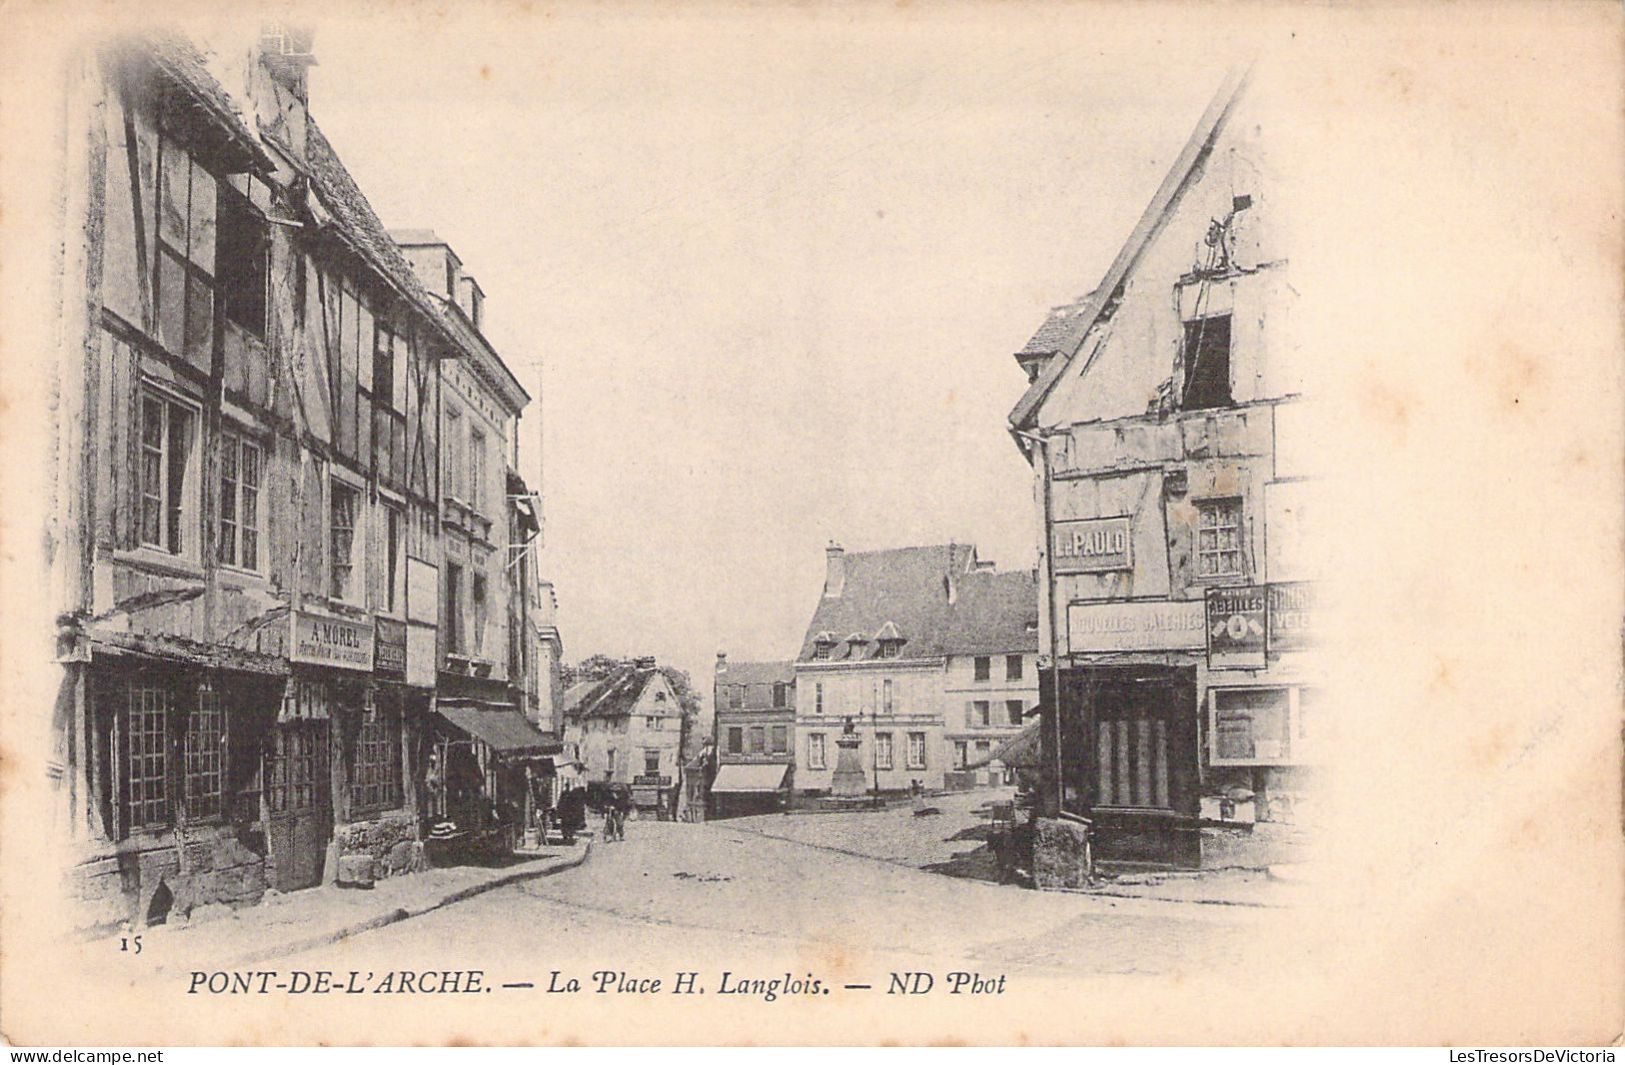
{"x": 850, "y": 781}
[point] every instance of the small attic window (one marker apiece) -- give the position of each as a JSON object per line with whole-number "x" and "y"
{"x": 1207, "y": 363}
{"x": 823, "y": 645}
{"x": 888, "y": 641}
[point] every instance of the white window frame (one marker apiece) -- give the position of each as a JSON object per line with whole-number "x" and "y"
{"x": 1205, "y": 507}
{"x": 981, "y": 668}
{"x": 476, "y": 468}
{"x": 452, "y": 458}
{"x": 188, "y": 528}
{"x": 355, "y": 591}
{"x": 1296, "y": 749}
{"x": 883, "y": 750}
{"x": 394, "y": 603}
{"x": 238, "y": 440}
{"x": 961, "y": 754}
{"x": 817, "y": 751}
{"x": 916, "y": 746}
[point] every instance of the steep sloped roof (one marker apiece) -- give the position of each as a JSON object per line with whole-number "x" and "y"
{"x": 996, "y": 613}
{"x": 359, "y": 228}
{"x": 180, "y": 63}
{"x": 1065, "y": 337}
{"x": 907, "y": 586}
{"x": 614, "y": 696}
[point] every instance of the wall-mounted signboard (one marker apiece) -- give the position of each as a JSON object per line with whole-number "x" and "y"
{"x": 342, "y": 643}
{"x": 1237, "y": 617}
{"x": 1092, "y": 545}
{"x": 1161, "y": 625}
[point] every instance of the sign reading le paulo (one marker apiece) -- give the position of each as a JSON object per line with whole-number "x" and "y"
{"x": 1093, "y": 545}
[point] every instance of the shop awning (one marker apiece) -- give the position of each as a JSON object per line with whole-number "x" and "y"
{"x": 738, "y": 778}
{"x": 1021, "y": 751}
{"x": 502, "y": 728}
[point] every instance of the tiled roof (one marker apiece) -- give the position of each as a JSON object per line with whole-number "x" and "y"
{"x": 360, "y": 228}
{"x": 178, "y": 60}
{"x": 614, "y": 696}
{"x": 996, "y": 612}
{"x": 1052, "y": 335}
{"x": 907, "y": 586}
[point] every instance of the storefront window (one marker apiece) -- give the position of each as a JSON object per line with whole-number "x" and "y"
{"x": 375, "y": 783}
{"x": 146, "y": 736}
{"x": 1250, "y": 725}
{"x": 205, "y": 742}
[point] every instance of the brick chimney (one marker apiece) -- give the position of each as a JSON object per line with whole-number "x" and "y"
{"x": 471, "y": 298}
{"x": 834, "y": 570}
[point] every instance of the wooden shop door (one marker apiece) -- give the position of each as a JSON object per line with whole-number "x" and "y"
{"x": 300, "y": 801}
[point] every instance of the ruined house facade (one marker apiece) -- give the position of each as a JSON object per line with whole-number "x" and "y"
{"x": 1166, "y": 423}
{"x": 249, "y": 527}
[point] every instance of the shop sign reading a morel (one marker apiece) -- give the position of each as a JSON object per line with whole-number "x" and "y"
{"x": 327, "y": 641}
{"x": 1095, "y": 545}
{"x": 1159, "y": 626}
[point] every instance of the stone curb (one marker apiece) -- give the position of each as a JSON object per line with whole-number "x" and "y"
{"x": 403, "y": 913}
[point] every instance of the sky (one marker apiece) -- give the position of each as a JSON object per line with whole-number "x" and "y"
{"x": 763, "y": 269}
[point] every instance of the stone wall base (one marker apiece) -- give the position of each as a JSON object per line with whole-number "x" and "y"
{"x": 364, "y": 851}
{"x": 1061, "y": 855}
{"x": 215, "y": 871}
{"x": 1255, "y": 846}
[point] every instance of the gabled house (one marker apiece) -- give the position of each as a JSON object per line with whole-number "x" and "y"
{"x": 1166, "y": 424}
{"x": 627, "y": 729}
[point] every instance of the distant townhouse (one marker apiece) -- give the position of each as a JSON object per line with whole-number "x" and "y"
{"x": 1170, "y": 441}
{"x": 901, "y": 652}
{"x": 991, "y": 671}
{"x": 754, "y": 712}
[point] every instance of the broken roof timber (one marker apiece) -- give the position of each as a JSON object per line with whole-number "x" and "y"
{"x": 1157, "y": 212}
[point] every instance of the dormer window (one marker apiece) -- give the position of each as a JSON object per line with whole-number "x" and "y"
{"x": 823, "y": 645}
{"x": 854, "y": 645}
{"x": 888, "y": 641}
